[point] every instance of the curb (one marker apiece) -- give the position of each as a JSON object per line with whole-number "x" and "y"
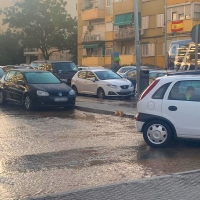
{"x": 141, "y": 180}
{"x": 98, "y": 111}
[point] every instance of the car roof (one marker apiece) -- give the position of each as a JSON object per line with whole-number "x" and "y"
{"x": 179, "y": 77}
{"x": 29, "y": 70}
{"x": 96, "y": 69}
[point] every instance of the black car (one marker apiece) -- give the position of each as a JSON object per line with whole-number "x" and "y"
{"x": 64, "y": 70}
{"x": 35, "y": 88}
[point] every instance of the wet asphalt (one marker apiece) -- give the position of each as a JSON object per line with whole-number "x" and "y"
{"x": 55, "y": 151}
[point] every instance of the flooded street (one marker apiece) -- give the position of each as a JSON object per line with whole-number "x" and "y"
{"x": 54, "y": 151}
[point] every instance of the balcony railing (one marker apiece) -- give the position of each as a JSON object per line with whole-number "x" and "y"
{"x": 94, "y": 37}
{"x": 30, "y": 51}
{"x": 123, "y": 33}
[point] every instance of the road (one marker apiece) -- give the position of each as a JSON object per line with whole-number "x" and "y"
{"x": 55, "y": 151}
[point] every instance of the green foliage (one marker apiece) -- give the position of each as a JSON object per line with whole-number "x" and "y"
{"x": 44, "y": 24}
{"x": 11, "y": 52}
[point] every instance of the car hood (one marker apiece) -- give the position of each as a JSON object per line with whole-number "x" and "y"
{"x": 117, "y": 82}
{"x": 51, "y": 87}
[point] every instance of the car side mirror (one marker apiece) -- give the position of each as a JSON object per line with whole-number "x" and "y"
{"x": 20, "y": 82}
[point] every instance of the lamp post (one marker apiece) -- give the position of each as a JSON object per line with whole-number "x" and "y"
{"x": 165, "y": 34}
{"x": 137, "y": 47}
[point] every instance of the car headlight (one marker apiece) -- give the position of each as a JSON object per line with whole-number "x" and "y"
{"x": 72, "y": 92}
{"x": 112, "y": 86}
{"x": 42, "y": 93}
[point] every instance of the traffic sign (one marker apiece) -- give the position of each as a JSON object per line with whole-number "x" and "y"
{"x": 195, "y": 33}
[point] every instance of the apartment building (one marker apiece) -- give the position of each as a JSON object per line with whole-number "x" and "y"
{"x": 183, "y": 15}
{"x": 35, "y": 54}
{"x": 106, "y": 26}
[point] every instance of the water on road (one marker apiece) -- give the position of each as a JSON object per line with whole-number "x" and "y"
{"x": 55, "y": 151}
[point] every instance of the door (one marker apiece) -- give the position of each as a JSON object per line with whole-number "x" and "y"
{"x": 8, "y": 84}
{"x": 90, "y": 85}
{"x": 181, "y": 106}
{"x": 18, "y": 89}
{"x": 80, "y": 81}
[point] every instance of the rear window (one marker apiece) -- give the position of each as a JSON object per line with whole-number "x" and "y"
{"x": 64, "y": 67}
{"x": 159, "y": 94}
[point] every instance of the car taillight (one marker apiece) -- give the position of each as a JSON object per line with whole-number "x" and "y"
{"x": 153, "y": 84}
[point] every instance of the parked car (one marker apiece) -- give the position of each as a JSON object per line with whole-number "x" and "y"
{"x": 64, "y": 70}
{"x": 158, "y": 73}
{"x": 1, "y": 72}
{"x": 168, "y": 108}
{"x": 101, "y": 82}
{"x": 91, "y": 67}
{"x": 37, "y": 63}
{"x": 35, "y": 88}
{"x": 124, "y": 70}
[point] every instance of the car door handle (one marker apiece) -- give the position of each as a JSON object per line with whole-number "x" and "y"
{"x": 172, "y": 108}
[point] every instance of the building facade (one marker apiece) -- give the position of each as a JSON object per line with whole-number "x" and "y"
{"x": 106, "y": 26}
{"x": 35, "y": 54}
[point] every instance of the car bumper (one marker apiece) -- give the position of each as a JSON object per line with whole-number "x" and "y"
{"x": 53, "y": 101}
{"x": 139, "y": 125}
{"x": 122, "y": 92}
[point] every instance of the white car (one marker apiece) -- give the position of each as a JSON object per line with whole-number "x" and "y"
{"x": 101, "y": 82}
{"x": 169, "y": 108}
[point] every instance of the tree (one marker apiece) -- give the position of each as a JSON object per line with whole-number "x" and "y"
{"x": 11, "y": 51}
{"x": 44, "y": 24}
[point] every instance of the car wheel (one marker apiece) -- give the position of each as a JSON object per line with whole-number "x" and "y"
{"x": 28, "y": 104}
{"x": 100, "y": 93}
{"x": 2, "y": 98}
{"x": 157, "y": 134}
{"x": 75, "y": 89}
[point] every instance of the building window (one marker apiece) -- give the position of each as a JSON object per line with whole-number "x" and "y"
{"x": 108, "y": 51}
{"x": 145, "y": 22}
{"x": 174, "y": 16}
{"x": 109, "y": 3}
{"x": 148, "y": 50}
{"x": 160, "y": 20}
{"x": 181, "y": 16}
{"x": 197, "y": 15}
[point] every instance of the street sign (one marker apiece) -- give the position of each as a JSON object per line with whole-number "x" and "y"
{"x": 195, "y": 33}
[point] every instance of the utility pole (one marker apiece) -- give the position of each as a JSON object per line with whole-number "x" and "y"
{"x": 137, "y": 47}
{"x": 165, "y": 35}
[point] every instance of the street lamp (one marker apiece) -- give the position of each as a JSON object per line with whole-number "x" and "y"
{"x": 137, "y": 47}
{"x": 165, "y": 34}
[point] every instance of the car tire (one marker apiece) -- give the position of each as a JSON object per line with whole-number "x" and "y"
{"x": 100, "y": 93}
{"x": 75, "y": 89}
{"x": 2, "y": 98}
{"x": 157, "y": 134}
{"x": 28, "y": 103}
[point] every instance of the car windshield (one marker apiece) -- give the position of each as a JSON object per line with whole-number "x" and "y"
{"x": 64, "y": 67}
{"x": 1, "y": 72}
{"x": 41, "y": 78}
{"x": 123, "y": 70}
{"x": 106, "y": 75}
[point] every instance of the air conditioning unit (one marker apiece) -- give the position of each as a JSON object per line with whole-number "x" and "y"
{"x": 90, "y": 27}
{"x": 142, "y": 32}
{"x": 163, "y": 29}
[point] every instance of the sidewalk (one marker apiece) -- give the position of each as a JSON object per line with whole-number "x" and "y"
{"x": 109, "y": 107}
{"x": 179, "y": 186}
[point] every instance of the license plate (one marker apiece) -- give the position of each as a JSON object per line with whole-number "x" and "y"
{"x": 60, "y": 99}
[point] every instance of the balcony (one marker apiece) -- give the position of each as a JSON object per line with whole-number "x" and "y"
{"x": 93, "y": 37}
{"x": 30, "y": 52}
{"x": 127, "y": 59}
{"x": 93, "y": 61}
{"x": 94, "y": 13}
{"x": 124, "y": 33}
{"x": 123, "y": 7}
